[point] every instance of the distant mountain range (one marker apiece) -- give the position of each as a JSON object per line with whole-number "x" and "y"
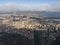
{"x": 51, "y": 14}
{"x": 42, "y": 13}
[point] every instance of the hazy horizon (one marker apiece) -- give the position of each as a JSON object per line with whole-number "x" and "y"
{"x": 30, "y": 5}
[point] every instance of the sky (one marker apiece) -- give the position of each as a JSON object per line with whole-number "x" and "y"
{"x": 32, "y": 5}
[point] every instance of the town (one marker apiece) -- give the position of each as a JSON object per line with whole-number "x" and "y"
{"x": 27, "y": 25}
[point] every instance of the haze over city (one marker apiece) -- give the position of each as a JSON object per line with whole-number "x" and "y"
{"x": 29, "y": 22}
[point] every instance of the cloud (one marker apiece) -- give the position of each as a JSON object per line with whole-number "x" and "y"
{"x": 33, "y": 7}
{"x": 54, "y": 7}
{"x": 16, "y": 6}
